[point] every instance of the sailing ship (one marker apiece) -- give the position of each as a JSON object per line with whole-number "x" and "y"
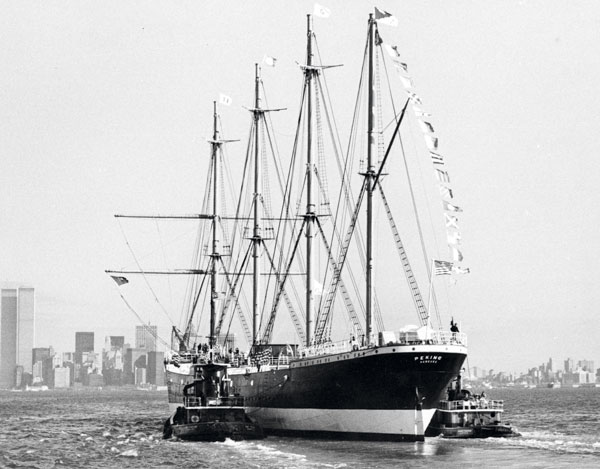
{"x": 349, "y": 377}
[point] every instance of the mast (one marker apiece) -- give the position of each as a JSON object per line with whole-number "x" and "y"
{"x": 215, "y": 241}
{"x": 370, "y": 176}
{"x": 256, "y": 234}
{"x": 310, "y": 207}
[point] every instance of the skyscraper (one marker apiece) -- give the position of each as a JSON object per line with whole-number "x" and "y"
{"x": 17, "y": 318}
{"x": 112, "y": 360}
{"x": 84, "y": 342}
{"x": 145, "y": 337}
{"x": 26, "y": 328}
{"x": 155, "y": 371}
{"x": 116, "y": 342}
{"x": 569, "y": 365}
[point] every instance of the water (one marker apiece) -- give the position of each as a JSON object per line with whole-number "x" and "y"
{"x": 123, "y": 428}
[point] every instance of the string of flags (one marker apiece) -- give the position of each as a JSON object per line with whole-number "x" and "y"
{"x": 432, "y": 142}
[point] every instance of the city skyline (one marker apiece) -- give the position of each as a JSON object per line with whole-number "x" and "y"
{"x": 117, "y": 363}
{"x": 148, "y": 333}
{"x": 17, "y": 305}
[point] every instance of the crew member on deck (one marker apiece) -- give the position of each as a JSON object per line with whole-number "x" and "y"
{"x": 453, "y": 326}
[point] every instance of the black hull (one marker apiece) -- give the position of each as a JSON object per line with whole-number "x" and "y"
{"x": 376, "y": 379}
{"x": 386, "y": 394}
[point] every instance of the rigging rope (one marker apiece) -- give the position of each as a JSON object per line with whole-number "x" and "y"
{"x": 143, "y": 274}
{"x": 155, "y": 335}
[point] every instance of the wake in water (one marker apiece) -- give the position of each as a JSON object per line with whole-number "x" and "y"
{"x": 263, "y": 451}
{"x": 553, "y": 441}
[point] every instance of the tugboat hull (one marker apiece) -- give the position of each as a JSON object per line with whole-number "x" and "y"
{"x": 217, "y": 431}
{"x": 500, "y": 430}
{"x": 212, "y": 424}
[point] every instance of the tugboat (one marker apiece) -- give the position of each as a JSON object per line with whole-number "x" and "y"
{"x": 465, "y": 415}
{"x": 208, "y": 411}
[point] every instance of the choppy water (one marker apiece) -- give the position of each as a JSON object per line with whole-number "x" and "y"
{"x": 122, "y": 428}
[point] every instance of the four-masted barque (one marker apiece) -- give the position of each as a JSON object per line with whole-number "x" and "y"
{"x": 349, "y": 376}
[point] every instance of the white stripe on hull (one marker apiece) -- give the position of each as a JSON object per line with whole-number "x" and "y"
{"x": 391, "y": 422}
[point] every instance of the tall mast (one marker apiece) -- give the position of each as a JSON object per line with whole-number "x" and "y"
{"x": 370, "y": 176}
{"x": 256, "y": 234}
{"x": 215, "y": 241}
{"x": 310, "y": 207}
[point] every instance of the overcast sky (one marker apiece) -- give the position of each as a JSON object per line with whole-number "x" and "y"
{"x": 105, "y": 108}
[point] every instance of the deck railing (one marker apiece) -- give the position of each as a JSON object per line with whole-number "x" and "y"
{"x": 472, "y": 404}
{"x": 389, "y": 338}
{"x": 228, "y": 401}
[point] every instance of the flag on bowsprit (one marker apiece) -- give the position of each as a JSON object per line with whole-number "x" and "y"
{"x": 446, "y": 191}
{"x": 431, "y": 142}
{"x": 392, "y": 51}
{"x": 451, "y": 222}
{"x": 420, "y": 112}
{"x": 453, "y": 238}
{"x": 413, "y": 97}
{"x": 442, "y": 267}
{"x": 426, "y": 126}
{"x": 436, "y": 158}
{"x": 456, "y": 254}
{"x": 119, "y": 280}
{"x": 451, "y": 208}
{"x": 442, "y": 176}
{"x": 406, "y": 82}
{"x": 402, "y": 67}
